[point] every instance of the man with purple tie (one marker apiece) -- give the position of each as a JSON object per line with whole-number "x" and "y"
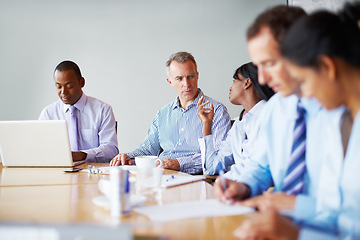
{"x": 91, "y": 122}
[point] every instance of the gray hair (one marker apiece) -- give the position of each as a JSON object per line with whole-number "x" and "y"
{"x": 180, "y": 57}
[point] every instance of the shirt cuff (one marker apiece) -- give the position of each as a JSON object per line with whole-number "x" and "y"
{"x": 190, "y": 165}
{"x": 202, "y": 150}
{"x": 305, "y": 207}
{"x": 308, "y": 233}
{"x": 253, "y": 185}
{"x": 206, "y": 149}
{"x": 90, "y": 155}
{"x": 185, "y": 164}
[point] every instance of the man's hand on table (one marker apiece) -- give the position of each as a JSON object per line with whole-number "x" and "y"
{"x": 170, "y": 163}
{"x": 121, "y": 159}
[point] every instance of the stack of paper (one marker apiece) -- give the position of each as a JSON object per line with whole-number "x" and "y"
{"x": 194, "y": 209}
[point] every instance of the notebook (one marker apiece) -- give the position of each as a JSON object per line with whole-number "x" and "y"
{"x": 35, "y": 144}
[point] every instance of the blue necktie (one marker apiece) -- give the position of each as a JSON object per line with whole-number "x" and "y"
{"x": 73, "y": 131}
{"x": 294, "y": 181}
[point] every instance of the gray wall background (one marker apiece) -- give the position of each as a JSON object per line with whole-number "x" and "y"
{"x": 121, "y": 48}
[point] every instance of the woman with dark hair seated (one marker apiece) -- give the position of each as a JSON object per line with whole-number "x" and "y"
{"x": 241, "y": 138}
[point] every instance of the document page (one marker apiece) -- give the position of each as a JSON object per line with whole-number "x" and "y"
{"x": 175, "y": 180}
{"x": 194, "y": 209}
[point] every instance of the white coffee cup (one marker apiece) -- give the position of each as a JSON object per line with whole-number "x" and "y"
{"x": 148, "y": 161}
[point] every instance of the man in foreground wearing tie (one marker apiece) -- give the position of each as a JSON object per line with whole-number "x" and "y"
{"x": 91, "y": 122}
{"x": 289, "y": 149}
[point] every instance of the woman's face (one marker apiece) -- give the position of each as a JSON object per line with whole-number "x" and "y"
{"x": 316, "y": 83}
{"x": 237, "y": 91}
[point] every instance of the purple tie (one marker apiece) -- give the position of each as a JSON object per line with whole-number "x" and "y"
{"x": 294, "y": 181}
{"x": 73, "y": 131}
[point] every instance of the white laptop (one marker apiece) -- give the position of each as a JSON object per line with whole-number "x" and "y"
{"x": 35, "y": 144}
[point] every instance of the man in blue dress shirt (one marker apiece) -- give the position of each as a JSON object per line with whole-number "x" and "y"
{"x": 176, "y": 127}
{"x": 269, "y": 165}
{"x": 95, "y": 133}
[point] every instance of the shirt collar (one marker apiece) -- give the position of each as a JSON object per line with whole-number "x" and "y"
{"x": 255, "y": 110}
{"x": 177, "y": 101}
{"x": 80, "y": 104}
{"x": 311, "y": 105}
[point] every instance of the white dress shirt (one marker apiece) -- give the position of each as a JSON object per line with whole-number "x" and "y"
{"x": 269, "y": 164}
{"x": 240, "y": 144}
{"x": 95, "y": 123}
{"x": 338, "y": 208}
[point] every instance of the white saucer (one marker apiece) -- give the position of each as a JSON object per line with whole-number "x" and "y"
{"x": 103, "y": 201}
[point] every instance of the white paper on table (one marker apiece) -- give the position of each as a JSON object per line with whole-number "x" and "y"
{"x": 194, "y": 209}
{"x": 167, "y": 181}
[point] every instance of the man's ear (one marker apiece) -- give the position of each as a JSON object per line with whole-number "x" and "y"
{"x": 327, "y": 66}
{"x": 247, "y": 83}
{"x": 82, "y": 82}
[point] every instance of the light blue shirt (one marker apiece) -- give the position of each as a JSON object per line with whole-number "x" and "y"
{"x": 96, "y": 126}
{"x": 176, "y": 131}
{"x": 240, "y": 144}
{"x": 270, "y": 162}
{"x": 338, "y": 206}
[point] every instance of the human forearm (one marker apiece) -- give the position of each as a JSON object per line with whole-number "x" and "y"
{"x": 102, "y": 154}
{"x": 191, "y": 164}
{"x": 207, "y": 128}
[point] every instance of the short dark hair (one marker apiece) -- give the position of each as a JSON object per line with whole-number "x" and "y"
{"x": 249, "y": 70}
{"x": 278, "y": 19}
{"x": 324, "y": 33}
{"x": 181, "y": 57}
{"x": 69, "y": 65}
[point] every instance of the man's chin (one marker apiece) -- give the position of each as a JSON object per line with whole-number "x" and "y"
{"x": 284, "y": 93}
{"x": 288, "y": 93}
{"x": 66, "y": 101}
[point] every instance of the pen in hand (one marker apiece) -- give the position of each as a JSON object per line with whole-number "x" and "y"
{"x": 221, "y": 172}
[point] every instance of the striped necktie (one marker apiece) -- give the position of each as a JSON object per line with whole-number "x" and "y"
{"x": 294, "y": 181}
{"x": 73, "y": 131}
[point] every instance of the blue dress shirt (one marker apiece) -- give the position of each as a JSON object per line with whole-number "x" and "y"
{"x": 240, "y": 144}
{"x": 96, "y": 126}
{"x": 270, "y": 162}
{"x": 338, "y": 208}
{"x": 176, "y": 131}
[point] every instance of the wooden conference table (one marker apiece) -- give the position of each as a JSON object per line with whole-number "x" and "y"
{"x": 48, "y": 195}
